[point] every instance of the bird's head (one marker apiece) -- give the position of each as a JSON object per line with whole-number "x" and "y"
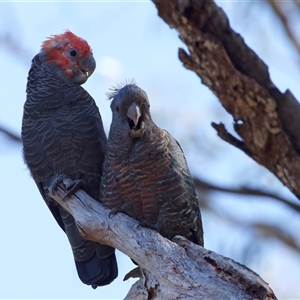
{"x": 72, "y": 54}
{"x": 130, "y": 107}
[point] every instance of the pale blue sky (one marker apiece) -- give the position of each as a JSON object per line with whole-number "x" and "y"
{"x": 129, "y": 40}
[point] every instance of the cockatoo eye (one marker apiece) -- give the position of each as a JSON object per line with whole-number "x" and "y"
{"x": 73, "y": 52}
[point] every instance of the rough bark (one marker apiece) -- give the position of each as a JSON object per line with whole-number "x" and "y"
{"x": 170, "y": 270}
{"x": 265, "y": 119}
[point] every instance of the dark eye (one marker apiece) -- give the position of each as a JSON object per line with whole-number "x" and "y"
{"x": 117, "y": 108}
{"x": 73, "y": 52}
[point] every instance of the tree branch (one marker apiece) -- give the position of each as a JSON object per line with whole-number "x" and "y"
{"x": 266, "y": 119}
{"x": 10, "y": 134}
{"x": 12, "y": 43}
{"x": 244, "y": 191}
{"x": 277, "y": 8}
{"x": 170, "y": 270}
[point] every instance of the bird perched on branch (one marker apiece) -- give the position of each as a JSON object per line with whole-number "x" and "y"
{"x": 145, "y": 173}
{"x": 63, "y": 135}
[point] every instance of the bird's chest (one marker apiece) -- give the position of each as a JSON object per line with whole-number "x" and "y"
{"x": 59, "y": 139}
{"x": 63, "y": 127}
{"x": 142, "y": 179}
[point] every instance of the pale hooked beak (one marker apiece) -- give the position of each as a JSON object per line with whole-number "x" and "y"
{"x": 134, "y": 113}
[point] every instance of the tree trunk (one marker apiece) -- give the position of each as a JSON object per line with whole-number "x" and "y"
{"x": 175, "y": 269}
{"x": 264, "y": 118}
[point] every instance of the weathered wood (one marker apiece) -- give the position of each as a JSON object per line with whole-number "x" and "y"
{"x": 266, "y": 119}
{"x": 170, "y": 270}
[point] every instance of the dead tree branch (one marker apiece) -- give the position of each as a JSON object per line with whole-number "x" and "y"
{"x": 170, "y": 270}
{"x": 266, "y": 120}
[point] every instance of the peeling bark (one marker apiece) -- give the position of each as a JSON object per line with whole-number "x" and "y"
{"x": 175, "y": 269}
{"x": 265, "y": 119}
